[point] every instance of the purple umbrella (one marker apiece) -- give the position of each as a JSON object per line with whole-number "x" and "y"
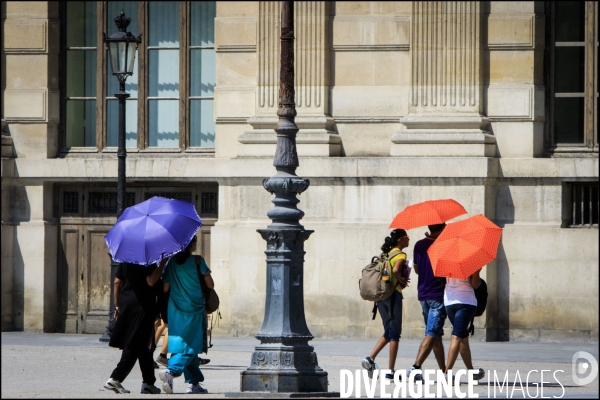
{"x": 149, "y": 231}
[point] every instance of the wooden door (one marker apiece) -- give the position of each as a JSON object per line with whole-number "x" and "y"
{"x": 97, "y": 279}
{"x": 70, "y": 282}
{"x": 203, "y": 247}
{"x": 84, "y": 272}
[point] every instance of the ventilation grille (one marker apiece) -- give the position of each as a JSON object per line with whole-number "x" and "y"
{"x": 584, "y": 205}
{"x": 106, "y": 202}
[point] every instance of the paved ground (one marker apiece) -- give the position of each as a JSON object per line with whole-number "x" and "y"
{"x": 74, "y": 366}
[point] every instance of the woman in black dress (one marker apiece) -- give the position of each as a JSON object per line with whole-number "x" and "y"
{"x": 135, "y": 312}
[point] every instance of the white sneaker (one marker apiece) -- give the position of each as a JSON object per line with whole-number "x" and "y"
{"x": 167, "y": 379}
{"x": 115, "y": 386}
{"x": 369, "y": 365}
{"x": 196, "y": 389}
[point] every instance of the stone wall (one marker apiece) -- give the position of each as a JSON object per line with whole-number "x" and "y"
{"x": 350, "y": 214}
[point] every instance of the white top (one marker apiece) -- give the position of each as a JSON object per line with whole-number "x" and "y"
{"x": 459, "y": 291}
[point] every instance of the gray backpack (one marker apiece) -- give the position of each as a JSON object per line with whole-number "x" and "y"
{"x": 372, "y": 288}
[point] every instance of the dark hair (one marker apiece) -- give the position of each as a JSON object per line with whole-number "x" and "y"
{"x": 182, "y": 256}
{"x": 436, "y": 228}
{"x": 392, "y": 240}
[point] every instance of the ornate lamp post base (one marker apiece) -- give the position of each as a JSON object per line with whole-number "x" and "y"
{"x": 284, "y": 362}
{"x": 282, "y": 374}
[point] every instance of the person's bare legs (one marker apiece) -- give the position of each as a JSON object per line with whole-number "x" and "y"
{"x": 378, "y": 347}
{"x": 438, "y": 351}
{"x": 393, "y": 353}
{"x": 465, "y": 352}
{"x": 165, "y": 345}
{"x": 424, "y": 350}
{"x": 159, "y": 331}
{"x": 452, "y": 352}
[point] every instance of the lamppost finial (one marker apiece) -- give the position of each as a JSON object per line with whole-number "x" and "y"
{"x": 122, "y": 21}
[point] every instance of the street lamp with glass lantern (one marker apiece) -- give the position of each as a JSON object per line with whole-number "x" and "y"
{"x": 122, "y": 47}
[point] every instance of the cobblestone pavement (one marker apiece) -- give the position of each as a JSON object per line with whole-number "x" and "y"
{"x": 75, "y": 366}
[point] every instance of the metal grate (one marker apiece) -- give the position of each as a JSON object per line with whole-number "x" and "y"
{"x": 183, "y": 196}
{"x": 106, "y": 202}
{"x": 209, "y": 203}
{"x": 584, "y": 203}
{"x": 70, "y": 202}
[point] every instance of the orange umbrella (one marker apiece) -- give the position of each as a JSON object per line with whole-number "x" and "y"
{"x": 430, "y": 212}
{"x": 464, "y": 247}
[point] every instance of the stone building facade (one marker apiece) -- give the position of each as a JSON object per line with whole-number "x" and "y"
{"x": 494, "y": 104}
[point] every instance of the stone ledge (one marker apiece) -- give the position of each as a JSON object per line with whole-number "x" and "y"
{"x": 569, "y": 168}
{"x": 444, "y": 121}
{"x": 442, "y": 136}
{"x": 443, "y": 143}
{"x": 68, "y": 169}
{"x": 305, "y": 136}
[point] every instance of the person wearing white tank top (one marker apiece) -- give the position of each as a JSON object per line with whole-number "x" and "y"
{"x": 461, "y": 305}
{"x": 459, "y": 291}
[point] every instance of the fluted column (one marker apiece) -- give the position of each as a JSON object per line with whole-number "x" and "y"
{"x": 445, "y": 97}
{"x": 445, "y": 62}
{"x": 316, "y": 136}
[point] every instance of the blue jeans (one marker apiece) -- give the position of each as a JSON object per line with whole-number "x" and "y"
{"x": 186, "y": 364}
{"x": 460, "y": 316}
{"x": 392, "y": 328}
{"x": 434, "y": 314}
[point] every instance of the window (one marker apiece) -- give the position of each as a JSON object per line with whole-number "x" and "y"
{"x": 572, "y": 79}
{"x": 171, "y": 104}
{"x": 210, "y": 203}
{"x": 79, "y": 82}
{"x": 70, "y": 202}
{"x": 106, "y": 202}
{"x": 183, "y": 196}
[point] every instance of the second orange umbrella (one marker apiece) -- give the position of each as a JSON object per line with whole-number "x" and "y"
{"x": 465, "y": 246}
{"x": 430, "y": 212}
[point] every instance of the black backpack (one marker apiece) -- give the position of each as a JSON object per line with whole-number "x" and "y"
{"x": 481, "y": 294}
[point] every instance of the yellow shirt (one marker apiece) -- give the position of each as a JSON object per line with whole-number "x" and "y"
{"x": 393, "y": 261}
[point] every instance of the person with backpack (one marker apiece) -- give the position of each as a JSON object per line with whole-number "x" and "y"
{"x": 461, "y": 306}
{"x": 186, "y": 318}
{"x": 390, "y": 308}
{"x": 431, "y": 296}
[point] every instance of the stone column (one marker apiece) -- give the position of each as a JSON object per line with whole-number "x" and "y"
{"x": 445, "y": 96}
{"x": 316, "y": 136}
{"x": 31, "y": 104}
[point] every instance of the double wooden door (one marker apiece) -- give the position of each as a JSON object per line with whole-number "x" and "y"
{"x": 84, "y": 271}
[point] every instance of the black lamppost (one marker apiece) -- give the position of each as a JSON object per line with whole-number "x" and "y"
{"x": 122, "y": 47}
{"x": 284, "y": 362}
